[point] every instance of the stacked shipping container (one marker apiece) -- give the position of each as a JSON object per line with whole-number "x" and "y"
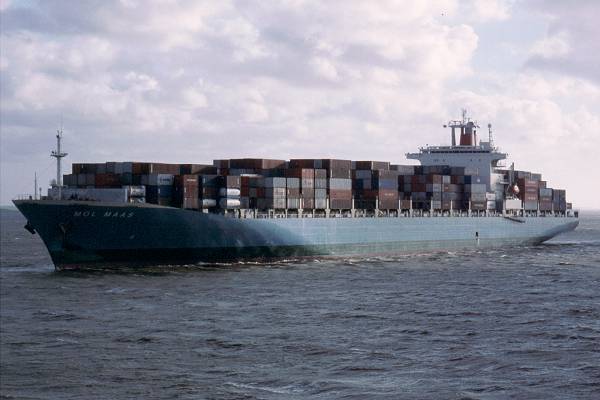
{"x": 312, "y": 184}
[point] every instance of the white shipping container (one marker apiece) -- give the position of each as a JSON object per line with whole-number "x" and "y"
{"x": 229, "y": 192}
{"x": 513, "y": 204}
{"x": 136, "y": 191}
{"x": 91, "y": 194}
{"x": 490, "y": 196}
{"x": 229, "y": 203}
{"x": 209, "y": 203}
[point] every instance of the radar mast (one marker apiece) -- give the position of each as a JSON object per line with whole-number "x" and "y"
{"x": 59, "y": 155}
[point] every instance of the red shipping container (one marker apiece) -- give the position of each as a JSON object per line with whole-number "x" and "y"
{"x": 340, "y": 194}
{"x": 107, "y": 180}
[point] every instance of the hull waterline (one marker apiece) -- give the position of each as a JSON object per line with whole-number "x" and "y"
{"x": 93, "y": 234}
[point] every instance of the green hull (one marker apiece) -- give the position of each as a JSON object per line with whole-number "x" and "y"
{"x": 80, "y": 234}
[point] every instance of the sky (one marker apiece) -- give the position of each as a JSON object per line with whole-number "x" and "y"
{"x": 193, "y": 81}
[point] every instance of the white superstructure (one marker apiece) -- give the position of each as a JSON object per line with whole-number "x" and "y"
{"x": 482, "y": 157}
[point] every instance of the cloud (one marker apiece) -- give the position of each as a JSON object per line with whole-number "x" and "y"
{"x": 571, "y": 45}
{"x": 192, "y": 81}
{"x": 552, "y": 47}
{"x": 487, "y": 10}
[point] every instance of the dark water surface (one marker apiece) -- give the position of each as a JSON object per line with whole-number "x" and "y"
{"x": 514, "y": 323}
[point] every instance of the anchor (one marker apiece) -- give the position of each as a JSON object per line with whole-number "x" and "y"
{"x": 30, "y": 228}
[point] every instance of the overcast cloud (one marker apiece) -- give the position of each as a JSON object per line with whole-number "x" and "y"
{"x": 189, "y": 81}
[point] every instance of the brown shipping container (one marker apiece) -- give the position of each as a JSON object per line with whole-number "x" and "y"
{"x": 107, "y": 180}
{"x": 388, "y": 204}
{"x": 405, "y": 204}
{"x": 308, "y": 203}
{"x": 307, "y": 193}
{"x": 434, "y": 178}
{"x": 523, "y": 183}
{"x": 320, "y": 174}
{"x": 302, "y": 173}
{"x": 293, "y": 192}
{"x": 340, "y": 204}
{"x": 256, "y": 163}
{"x": 333, "y": 164}
{"x": 546, "y": 205}
{"x": 76, "y": 168}
{"x": 231, "y": 182}
{"x": 385, "y": 174}
{"x": 478, "y": 205}
{"x": 139, "y": 168}
{"x": 339, "y": 173}
{"x": 367, "y": 194}
{"x": 388, "y": 200}
{"x": 190, "y": 203}
{"x": 452, "y": 188}
{"x": 419, "y": 187}
{"x": 387, "y": 194}
{"x": 372, "y": 165}
{"x": 190, "y": 186}
{"x": 221, "y": 163}
{"x": 340, "y": 194}
{"x": 304, "y": 163}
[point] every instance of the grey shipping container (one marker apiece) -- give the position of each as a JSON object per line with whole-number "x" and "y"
{"x": 320, "y": 193}
{"x": 293, "y": 183}
{"x": 321, "y": 183}
{"x": 293, "y": 203}
{"x": 335, "y": 183}
{"x": 475, "y": 188}
{"x": 274, "y": 182}
{"x": 320, "y": 203}
{"x": 530, "y": 205}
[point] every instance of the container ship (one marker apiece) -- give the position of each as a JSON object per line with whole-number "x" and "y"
{"x": 461, "y": 196}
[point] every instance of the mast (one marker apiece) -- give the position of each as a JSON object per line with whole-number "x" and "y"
{"x": 59, "y": 155}
{"x": 35, "y": 185}
{"x": 490, "y": 136}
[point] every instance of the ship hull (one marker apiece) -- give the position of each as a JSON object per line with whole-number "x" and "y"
{"x": 90, "y": 234}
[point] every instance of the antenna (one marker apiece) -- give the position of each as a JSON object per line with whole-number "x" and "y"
{"x": 58, "y": 154}
{"x": 35, "y": 186}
